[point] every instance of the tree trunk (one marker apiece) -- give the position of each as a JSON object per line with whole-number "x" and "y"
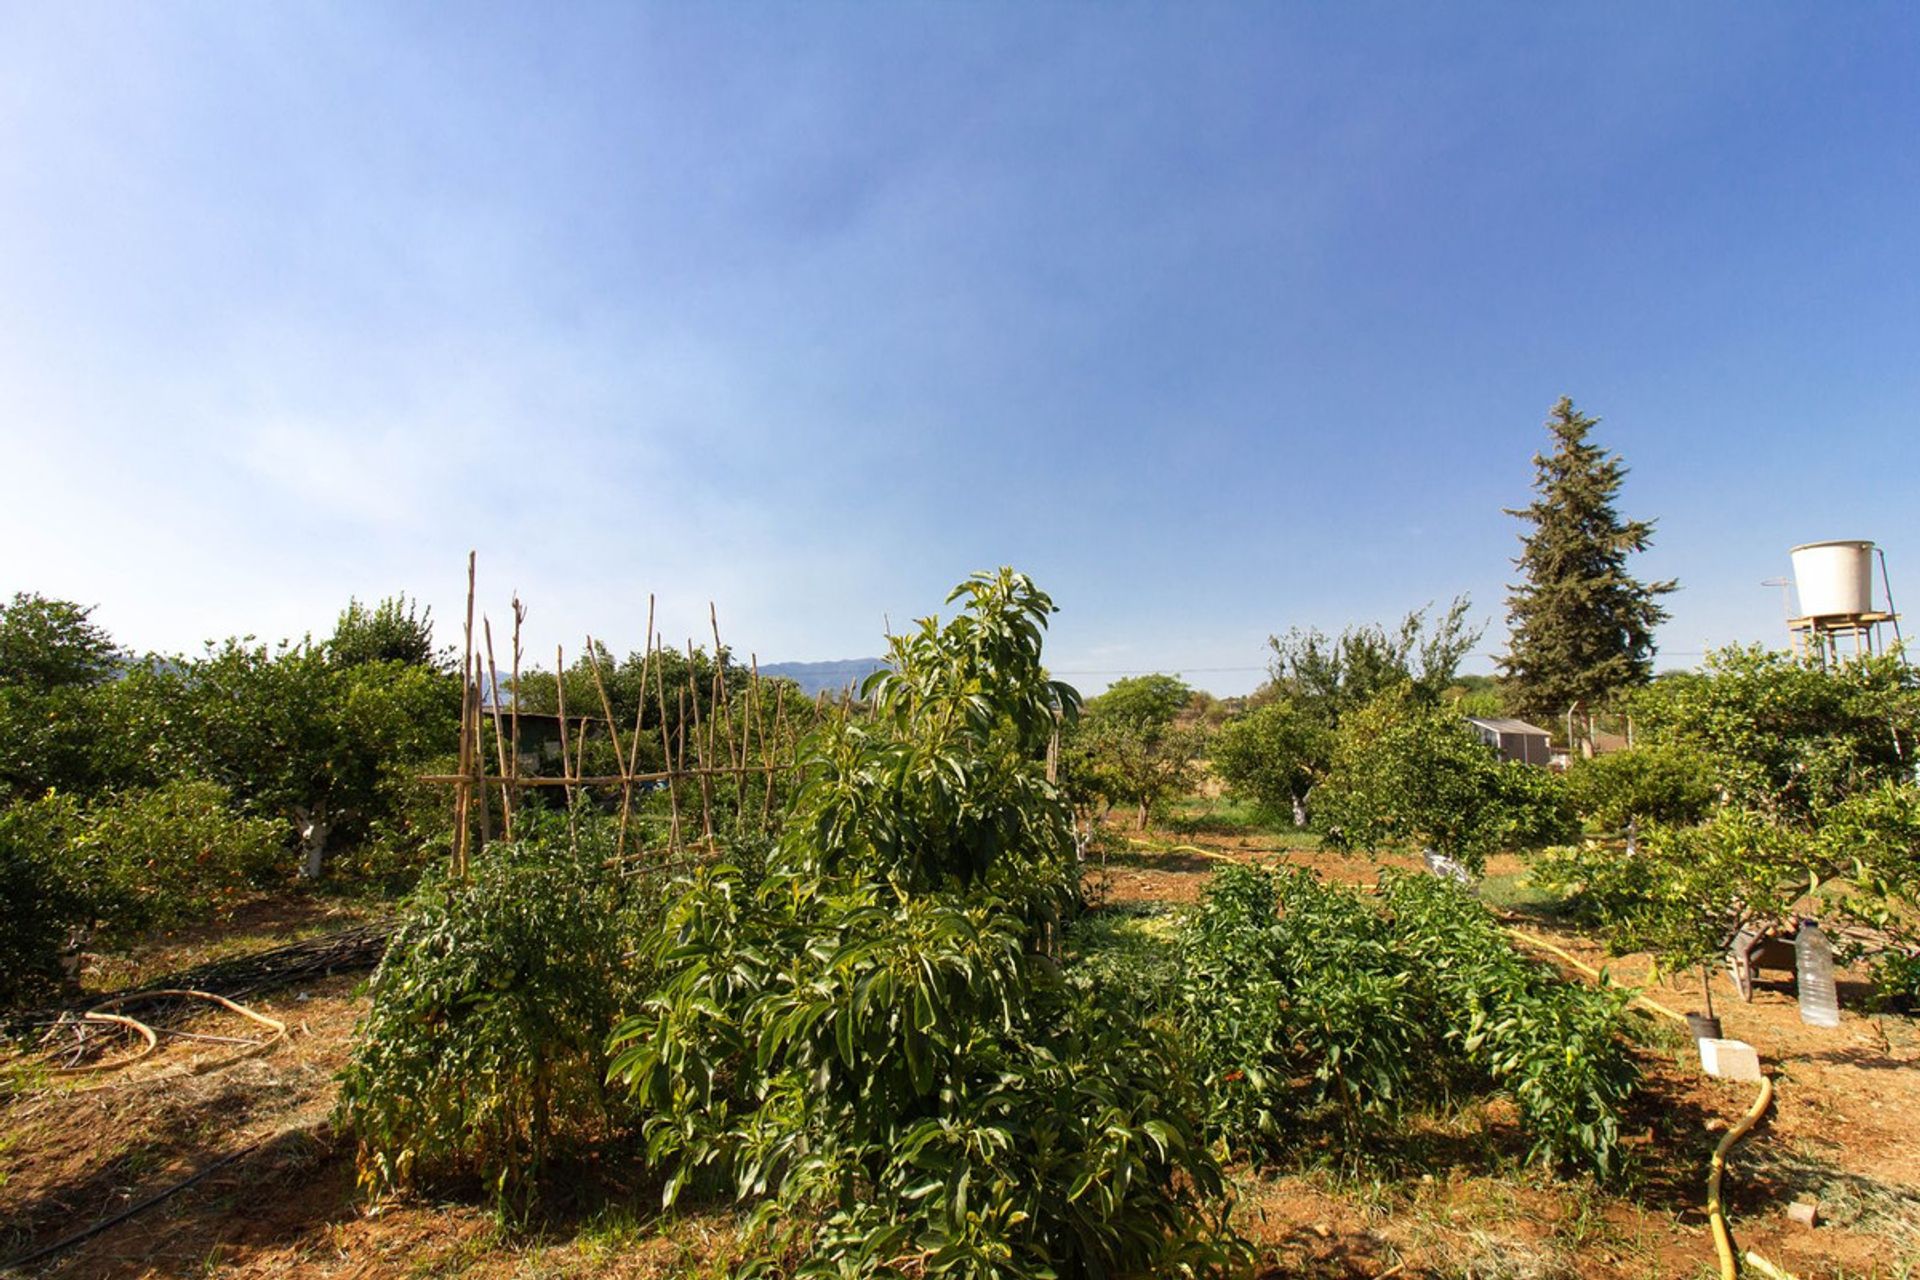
{"x": 1299, "y": 810}
{"x": 314, "y": 829}
{"x": 1143, "y": 815}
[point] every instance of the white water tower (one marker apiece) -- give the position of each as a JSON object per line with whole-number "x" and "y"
{"x": 1834, "y": 583}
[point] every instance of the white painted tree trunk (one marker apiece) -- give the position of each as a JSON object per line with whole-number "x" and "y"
{"x": 1299, "y": 811}
{"x": 314, "y": 828}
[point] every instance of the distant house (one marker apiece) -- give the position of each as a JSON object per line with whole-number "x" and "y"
{"x": 1514, "y": 739}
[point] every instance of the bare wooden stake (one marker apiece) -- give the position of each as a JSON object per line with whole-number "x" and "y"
{"x": 463, "y": 799}
{"x": 567, "y": 769}
{"x": 613, "y": 733}
{"x": 499, "y": 732}
{"x": 700, "y": 755}
{"x": 780, "y": 744}
{"x": 632, "y": 759}
{"x": 519, "y": 617}
{"x": 666, "y": 745}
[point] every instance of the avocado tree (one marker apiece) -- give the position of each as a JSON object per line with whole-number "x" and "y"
{"x": 869, "y": 1043}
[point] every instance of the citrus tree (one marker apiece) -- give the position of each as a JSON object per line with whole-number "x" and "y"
{"x": 1133, "y": 746}
{"x": 1406, "y": 769}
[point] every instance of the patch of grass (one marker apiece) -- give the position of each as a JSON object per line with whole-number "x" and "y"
{"x": 1128, "y": 947}
{"x": 1888, "y": 1210}
{"x": 1197, "y": 815}
{"x": 1514, "y": 892}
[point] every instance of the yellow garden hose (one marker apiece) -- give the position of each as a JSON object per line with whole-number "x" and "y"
{"x": 1716, "y": 1216}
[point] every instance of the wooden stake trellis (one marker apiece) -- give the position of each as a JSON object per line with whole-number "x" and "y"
{"x": 723, "y": 745}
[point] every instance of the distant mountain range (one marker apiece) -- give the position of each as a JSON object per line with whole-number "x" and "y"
{"x": 827, "y": 677}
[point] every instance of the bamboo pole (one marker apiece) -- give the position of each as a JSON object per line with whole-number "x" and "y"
{"x": 499, "y": 733}
{"x": 666, "y": 748}
{"x": 632, "y": 758}
{"x": 614, "y": 779}
{"x": 566, "y": 767}
{"x": 519, "y": 616}
{"x": 479, "y": 783}
{"x": 613, "y": 729}
{"x": 706, "y": 786}
{"x": 463, "y": 798}
{"x": 779, "y": 744}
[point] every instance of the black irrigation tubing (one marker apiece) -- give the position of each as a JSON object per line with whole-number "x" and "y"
{"x": 344, "y": 951}
{"x": 87, "y": 1233}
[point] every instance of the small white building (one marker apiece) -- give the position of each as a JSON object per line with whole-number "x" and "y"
{"x": 1514, "y": 739}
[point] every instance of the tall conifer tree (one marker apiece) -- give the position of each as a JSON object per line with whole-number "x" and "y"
{"x": 1580, "y": 627}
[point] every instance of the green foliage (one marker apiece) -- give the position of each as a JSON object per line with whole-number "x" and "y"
{"x": 869, "y": 1043}
{"x": 1128, "y": 949}
{"x": 1557, "y": 1048}
{"x": 1135, "y": 762}
{"x": 1298, "y": 1027}
{"x": 294, "y": 735}
{"x": 161, "y": 856}
{"x": 1333, "y": 677}
{"x": 1872, "y": 839}
{"x": 1133, "y": 746}
{"x": 1273, "y": 754}
{"x": 1281, "y": 748}
{"x": 1664, "y": 782}
{"x": 484, "y": 1047}
{"x": 1318, "y": 1019}
{"x": 1154, "y": 700}
{"x": 41, "y": 903}
{"x": 635, "y": 685}
{"x": 52, "y": 663}
{"x": 1688, "y": 889}
{"x": 111, "y": 870}
{"x": 1475, "y": 695}
{"x": 1580, "y": 626}
{"x": 1788, "y": 737}
{"x": 1409, "y": 770}
{"x": 51, "y": 644}
{"x": 395, "y": 630}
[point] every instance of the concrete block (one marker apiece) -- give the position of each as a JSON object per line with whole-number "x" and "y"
{"x": 1729, "y": 1059}
{"x": 1804, "y": 1212}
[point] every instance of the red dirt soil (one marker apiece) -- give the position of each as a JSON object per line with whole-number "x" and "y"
{"x": 1846, "y": 1128}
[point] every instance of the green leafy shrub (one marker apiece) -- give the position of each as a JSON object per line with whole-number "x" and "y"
{"x": 1318, "y": 1018}
{"x": 171, "y": 854}
{"x": 871, "y": 1043}
{"x": 1872, "y": 840}
{"x": 1788, "y": 737}
{"x": 1557, "y": 1047}
{"x": 41, "y": 904}
{"x": 1665, "y": 782}
{"x": 485, "y": 1043}
{"x": 1688, "y": 889}
{"x": 1409, "y": 770}
{"x": 105, "y": 873}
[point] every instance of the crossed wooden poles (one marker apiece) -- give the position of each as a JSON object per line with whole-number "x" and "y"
{"x": 699, "y": 752}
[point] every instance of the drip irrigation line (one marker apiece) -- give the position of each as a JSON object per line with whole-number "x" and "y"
{"x": 105, "y": 1224}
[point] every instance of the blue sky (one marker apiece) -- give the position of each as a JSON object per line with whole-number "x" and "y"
{"x": 1215, "y": 319}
